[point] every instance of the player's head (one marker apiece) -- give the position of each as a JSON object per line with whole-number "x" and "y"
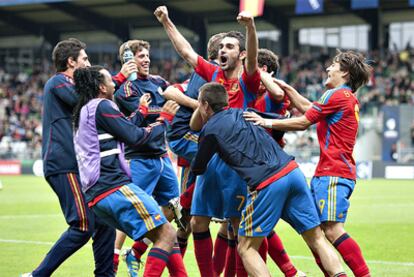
{"x": 212, "y": 98}
{"x": 268, "y": 61}
{"x": 140, "y": 49}
{"x": 92, "y": 82}
{"x": 348, "y": 68}
{"x": 232, "y": 50}
{"x": 70, "y": 54}
{"x": 213, "y": 46}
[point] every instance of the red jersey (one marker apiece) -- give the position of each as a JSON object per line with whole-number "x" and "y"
{"x": 266, "y": 103}
{"x": 337, "y": 115}
{"x": 242, "y": 92}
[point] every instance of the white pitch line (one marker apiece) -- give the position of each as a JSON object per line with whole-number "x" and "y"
{"x": 25, "y": 241}
{"x": 368, "y": 261}
{"x": 189, "y": 251}
{"x": 18, "y": 216}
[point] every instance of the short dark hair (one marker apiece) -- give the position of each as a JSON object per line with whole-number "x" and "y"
{"x": 215, "y": 95}
{"x": 213, "y": 46}
{"x": 65, "y": 49}
{"x": 239, "y": 36}
{"x": 354, "y": 63}
{"x": 268, "y": 58}
{"x": 135, "y": 45}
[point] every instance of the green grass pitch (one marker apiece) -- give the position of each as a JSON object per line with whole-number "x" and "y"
{"x": 381, "y": 219}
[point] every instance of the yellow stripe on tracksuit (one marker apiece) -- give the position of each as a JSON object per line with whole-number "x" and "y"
{"x": 184, "y": 179}
{"x": 78, "y": 201}
{"x": 248, "y": 229}
{"x": 127, "y": 87}
{"x": 332, "y": 198}
{"x": 191, "y": 137}
{"x": 139, "y": 206}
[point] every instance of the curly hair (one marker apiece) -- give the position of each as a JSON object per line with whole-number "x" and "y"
{"x": 87, "y": 81}
{"x": 268, "y": 58}
{"x": 65, "y": 49}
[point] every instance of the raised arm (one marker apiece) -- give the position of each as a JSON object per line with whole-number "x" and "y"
{"x": 300, "y": 102}
{"x": 181, "y": 45}
{"x": 246, "y": 19}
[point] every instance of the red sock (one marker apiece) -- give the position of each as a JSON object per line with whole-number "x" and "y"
{"x": 230, "y": 268}
{"x": 182, "y": 243}
{"x": 352, "y": 255}
{"x": 175, "y": 263}
{"x": 279, "y": 256}
{"x": 187, "y": 197}
{"x": 203, "y": 249}
{"x": 220, "y": 251}
{"x": 240, "y": 270}
{"x": 156, "y": 261}
{"x": 139, "y": 248}
{"x": 116, "y": 260}
{"x": 263, "y": 249}
{"x": 319, "y": 263}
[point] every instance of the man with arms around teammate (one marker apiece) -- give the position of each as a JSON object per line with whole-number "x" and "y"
{"x": 337, "y": 115}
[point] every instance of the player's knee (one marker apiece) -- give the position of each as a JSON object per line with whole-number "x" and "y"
{"x": 199, "y": 224}
{"x": 79, "y": 236}
{"x": 314, "y": 238}
{"x": 243, "y": 246}
{"x": 167, "y": 234}
{"x": 332, "y": 231}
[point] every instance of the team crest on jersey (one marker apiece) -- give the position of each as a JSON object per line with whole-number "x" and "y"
{"x": 157, "y": 217}
{"x": 234, "y": 87}
{"x": 258, "y": 230}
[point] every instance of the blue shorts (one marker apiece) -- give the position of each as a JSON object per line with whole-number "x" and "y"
{"x": 185, "y": 147}
{"x": 233, "y": 188}
{"x": 207, "y": 197}
{"x": 220, "y": 192}
{"x": 288, "y": 198}
{"x": 156, "y": 177}
{"x": 130, "y": 210}
{"x": 331, "y": 196}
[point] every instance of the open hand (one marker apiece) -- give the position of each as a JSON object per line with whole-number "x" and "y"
{"x": 145, "y": 100}
{"x": 170, "y": 107}
{"x": 255, "y": 118}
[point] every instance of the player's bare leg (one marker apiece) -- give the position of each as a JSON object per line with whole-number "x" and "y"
{"x": 316, "y": 241}
{"x": 248, "y": 248}
{"x": 347, "y": 247}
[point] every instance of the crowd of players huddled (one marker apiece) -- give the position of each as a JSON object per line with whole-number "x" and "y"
{"x": 21, "y": 93}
